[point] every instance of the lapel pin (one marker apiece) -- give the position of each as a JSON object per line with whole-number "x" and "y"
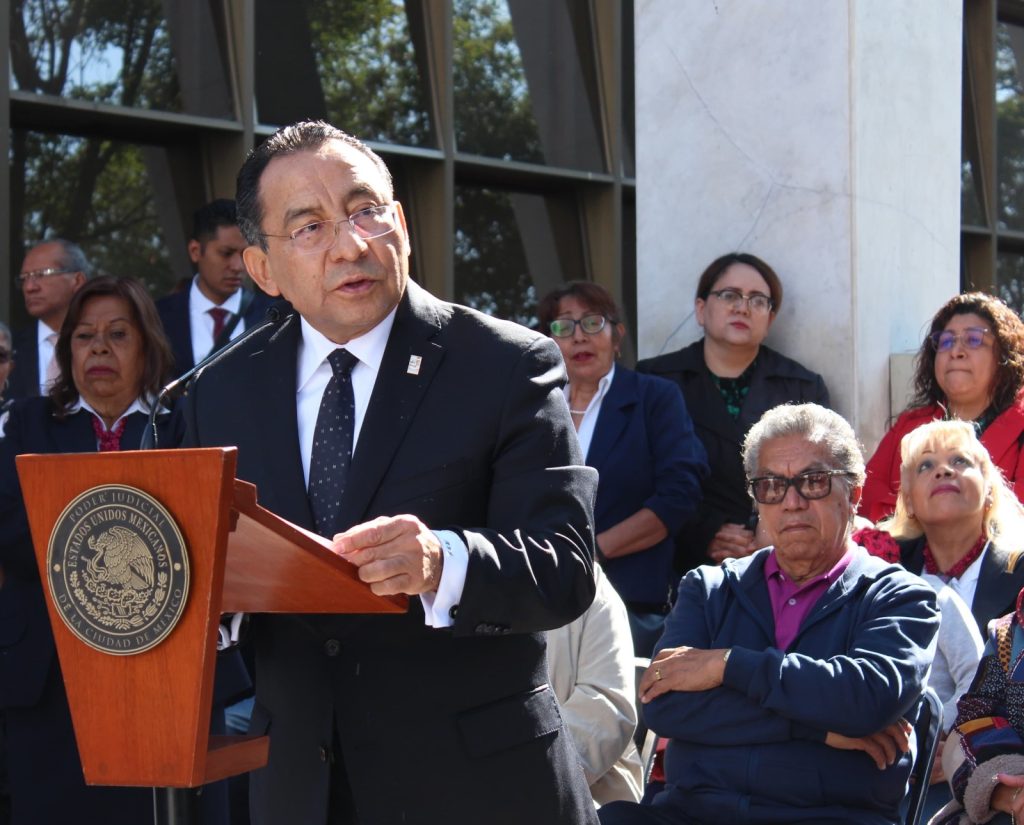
{"x": 414, "y": 365}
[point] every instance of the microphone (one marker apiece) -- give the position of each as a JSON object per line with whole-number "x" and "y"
{"x": 149, "y": 436}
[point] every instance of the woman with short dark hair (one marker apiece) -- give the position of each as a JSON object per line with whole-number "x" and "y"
{"x": 730, "y": 379}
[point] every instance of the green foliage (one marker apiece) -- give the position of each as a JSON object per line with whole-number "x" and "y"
{"x": 90, "y": 190}
{"x": 367, "y": 65}
{"x": 493, "y": 113}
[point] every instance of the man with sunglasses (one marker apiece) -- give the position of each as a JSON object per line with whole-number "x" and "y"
{"x": 787, "y": 681}
{"x": 434, "y": 445}
{"x": 51, "y": 273}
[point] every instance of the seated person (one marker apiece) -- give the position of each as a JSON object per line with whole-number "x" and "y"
{"x": 787, "y": 681}
{"x": 591, "y": 669}
{"x": 985, "y": 755}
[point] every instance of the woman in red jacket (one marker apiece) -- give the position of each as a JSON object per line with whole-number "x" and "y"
{"x": 971, "y": 367}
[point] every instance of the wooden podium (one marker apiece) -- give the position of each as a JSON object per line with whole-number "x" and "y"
{"x": 142, "y": 718}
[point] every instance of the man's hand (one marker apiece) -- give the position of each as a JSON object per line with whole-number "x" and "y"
{"x": 682, "y": 668}
{"x": 732, "y": 541}
{"x": 884, "y": 746}
{"x": 395, "y": 554}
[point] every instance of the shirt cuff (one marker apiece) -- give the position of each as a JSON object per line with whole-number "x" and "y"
{"x": 439, "y": 607}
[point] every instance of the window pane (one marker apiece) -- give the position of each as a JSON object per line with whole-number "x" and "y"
{"x": 511, "y": 248}
{"x": 353, "y": 63}
{"x": 1010, "y": 279}
{"x": 1010, "y": 124}
{"x": 523, "y": 91}
{"x": 122, "y": 54}
{"x": 98, "y": 193}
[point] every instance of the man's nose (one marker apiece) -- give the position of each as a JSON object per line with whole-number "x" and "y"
{"x": 347, "y": 245}
{"x": 793, "y": 500}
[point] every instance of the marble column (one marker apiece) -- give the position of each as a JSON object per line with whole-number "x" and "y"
{"x": 823, "y": 136}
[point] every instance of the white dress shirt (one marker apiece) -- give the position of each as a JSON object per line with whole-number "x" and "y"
{"x": 201, "y": 322}
{"x": 585, "y": 433}
{"x": 46, "y": 349}
{"x": 314, "y": 372}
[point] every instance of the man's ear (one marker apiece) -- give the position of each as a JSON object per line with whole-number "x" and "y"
{"x": 258, "y": 267}
{"x": 698, "y": 310}
{"x": 855, "y": 495}
{"x": 195, "y": 251}
{"x": 78, "y": 281}
{"x": 400, "y": 214}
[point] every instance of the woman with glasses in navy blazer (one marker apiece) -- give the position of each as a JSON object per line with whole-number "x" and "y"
{"x": 635, "y": 430}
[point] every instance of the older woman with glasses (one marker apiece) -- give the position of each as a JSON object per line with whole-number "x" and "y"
{"x": 113, "y": 360}
{"x": 635, "y": 430}
{"x": 730, "y": 379}
{"x": 970, "y": 366}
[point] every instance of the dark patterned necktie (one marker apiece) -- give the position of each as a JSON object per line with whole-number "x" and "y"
{"x": 332, "y": 444}
{"x": 220, "y": 317}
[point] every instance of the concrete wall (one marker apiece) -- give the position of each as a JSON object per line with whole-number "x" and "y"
{"x": 821, "y": 135}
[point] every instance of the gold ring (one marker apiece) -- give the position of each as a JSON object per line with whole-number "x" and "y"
{"x": 657, "y": 674}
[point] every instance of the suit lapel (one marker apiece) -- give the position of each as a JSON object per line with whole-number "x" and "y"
{"x": 396, "y": 395}
{"x": 615, "y": 412}
{"x": 271, "y": 399}
{"x": 998, "y": 584}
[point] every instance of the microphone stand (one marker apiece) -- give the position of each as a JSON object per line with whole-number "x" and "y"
{"x": 149, "y": 435}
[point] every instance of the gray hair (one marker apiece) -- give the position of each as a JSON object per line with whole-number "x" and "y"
{"x": 815, "y": 424}
{"x": 72, "y": 257}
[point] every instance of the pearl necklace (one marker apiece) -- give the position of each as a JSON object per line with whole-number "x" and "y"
{"x": 578, "y": 412}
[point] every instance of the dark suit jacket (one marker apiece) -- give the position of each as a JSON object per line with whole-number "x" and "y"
{"x": 175, "y": 317}
{"x": 647, "y": 455}
{"x": 453, "y": 726}
{"x": 776, "y": 380}
{"x": 44, "y": 771}
{"x": 24, "y": 380}
{"x": 1000, "y": 580}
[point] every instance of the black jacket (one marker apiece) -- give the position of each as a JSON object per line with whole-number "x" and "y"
{"x": 776, "y": 380}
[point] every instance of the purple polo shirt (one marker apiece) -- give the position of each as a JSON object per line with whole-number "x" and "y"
{"x": 791, "y": 602}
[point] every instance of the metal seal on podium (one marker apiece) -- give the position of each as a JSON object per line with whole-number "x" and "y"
{"x": 118, "y": 569}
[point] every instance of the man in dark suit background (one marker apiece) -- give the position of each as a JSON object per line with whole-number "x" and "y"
{"x": 51, "y": 273}
{"x": 216, "y": 307}
{"x": 465, "y": 490}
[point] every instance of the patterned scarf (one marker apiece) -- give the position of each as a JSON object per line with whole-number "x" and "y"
{"x": 109, "y": 439}
{"x": 957, "y": 570}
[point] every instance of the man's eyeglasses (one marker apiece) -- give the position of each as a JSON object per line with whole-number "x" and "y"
{"x": 972, "y": 338}
{"x": 734, "y": 299}
{"x": 565, "y": 327}
{"x": 36, "y": 274}
{"x": 367, "y": 224}
{"x": 811, "y": 485}
{"x": 5, "y": 356}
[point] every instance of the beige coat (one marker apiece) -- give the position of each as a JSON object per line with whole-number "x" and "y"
{"x": 591, "y": 668}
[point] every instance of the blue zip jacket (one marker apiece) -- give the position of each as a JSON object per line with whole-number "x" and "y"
{"x": 753, "y": 750}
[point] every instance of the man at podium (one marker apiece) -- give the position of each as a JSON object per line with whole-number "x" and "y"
{"x": 435, "y": 445}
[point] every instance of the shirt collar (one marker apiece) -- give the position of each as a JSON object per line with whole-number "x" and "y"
{"x": 368, "y": 347}
{"x": 772, "y": 569}
{"x": 204, "y": 304}
{"x": 43, "y": 332}
{"x": 602, "y": 388}
{"x": 138, "y": 405}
